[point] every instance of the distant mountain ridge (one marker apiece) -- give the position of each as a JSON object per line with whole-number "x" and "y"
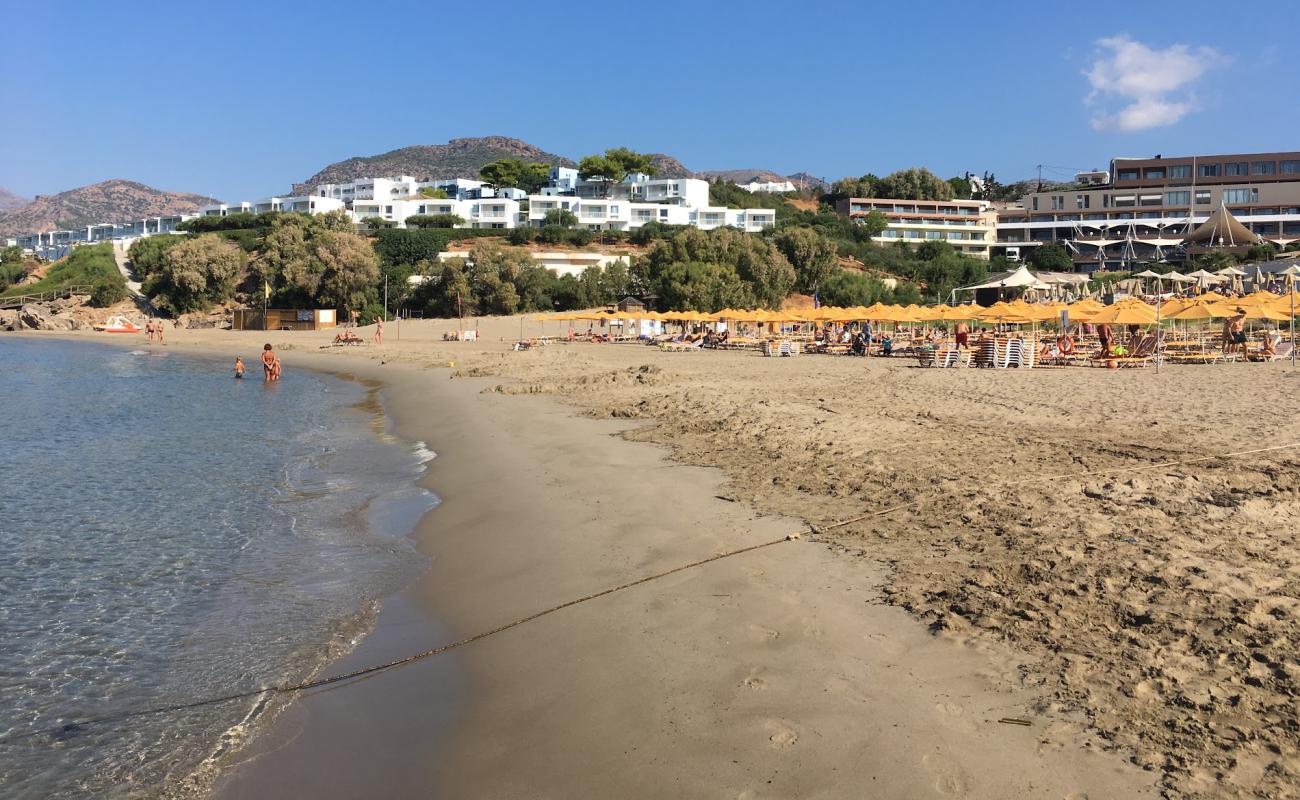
{"x": 109, "y": 201}
{"x": 10, "y": 201}
{"x": 458, "y": 158}
{"x": 462, "y": 158}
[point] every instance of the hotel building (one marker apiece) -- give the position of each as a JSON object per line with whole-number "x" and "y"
{"x": 1147, "y": 207}
{"x": 968, "y": 225}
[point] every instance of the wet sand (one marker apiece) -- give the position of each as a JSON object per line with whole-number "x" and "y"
{"x": 1141, "y": 621}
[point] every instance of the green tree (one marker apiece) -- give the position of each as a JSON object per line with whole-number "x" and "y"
{"x": 432, "y": 193}
{"x": 765, "y": 275}
{"x": 148, "y": 252}
{"x": 848, "y": 288}
{"x": 961, "y": 188}
{"x": 376, "y": 223}
{"x": 337, "y": 220}
{"x": 1051, "y": 257}
{"x": 560, "y": 217}
{"x": 917, "y": 183}
{"x": 871, "y": 225}
{"x": 811, "y": 254}
{"x": 286, "y": 263}
{"x": 515, "y": 173}
{"x": 615, "y": 164}
{"x": 196, "y": 273}
{"x": 349, "y": 270}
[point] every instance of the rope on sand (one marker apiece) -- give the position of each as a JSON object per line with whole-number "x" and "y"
{"x": 72, "y": 728}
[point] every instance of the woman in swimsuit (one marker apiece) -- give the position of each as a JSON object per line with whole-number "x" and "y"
{"x": 270, "y": 364}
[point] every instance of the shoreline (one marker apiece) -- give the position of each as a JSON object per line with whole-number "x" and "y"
{"x": 783, "y": 666}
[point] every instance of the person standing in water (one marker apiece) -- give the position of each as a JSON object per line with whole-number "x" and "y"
{"x": 270, "y": 363}
{"x": 239, "y": 368}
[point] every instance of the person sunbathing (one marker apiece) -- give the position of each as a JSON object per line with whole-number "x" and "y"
{"x": 347, "y": 337}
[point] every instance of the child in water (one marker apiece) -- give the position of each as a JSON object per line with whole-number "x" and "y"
{"x": 239, "y": 367}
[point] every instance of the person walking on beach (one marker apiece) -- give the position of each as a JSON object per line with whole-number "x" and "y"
{"x": 148, "y": 331}
{"x": 962, "y": 332}
{"x": 239, "y": 368}
{"x": 270, "y": 364}
{"x": 158, "y": 329}
{"x": 1234, "y": 332}
{"x": 379, "y": 330}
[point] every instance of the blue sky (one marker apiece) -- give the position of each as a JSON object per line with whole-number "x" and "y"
{"x": 239, "y": 100}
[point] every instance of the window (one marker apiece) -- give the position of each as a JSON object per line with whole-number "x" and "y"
{"x": 1207, "y": 170}
{"x": 1149, "y": 200}
{"x": 1236, "y": 196}
{"x": 1155, "y": 172}
{"x": 1035, "y": 203}
{"x": 1263, "y": 167}
{"x": 1288, "y": 167}
{"x": 1180, "y": 171}
{"x": 1125, "y": 201}
{"x": 1058, "y": 202}
{"x": 1128, "y": 175}
{"x": 1178, "y": 198}
{"x": 1081, "y": 201}
{"x": 1236, "y": 168}
{"x": 1202, "y": 198}
{"x": 934, "y": 234}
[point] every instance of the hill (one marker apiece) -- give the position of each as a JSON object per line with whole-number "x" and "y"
{"x": 742, "y": 175}
{"x": 668, "y": 167}
{"x": 458, "y": 158}
{"x": 462, "y": 158}
{"x": 10, "y": 201}
{"x": 109, "y": 201}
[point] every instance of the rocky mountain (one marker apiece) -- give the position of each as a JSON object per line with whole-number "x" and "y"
{"x": 10, "y": 201}
{"x": 462, "y": 158}
{"x": 458, "y": 158}
{"x": 668, "y": 167}
{"x": 741, "y": 175}
{"x": 109, "y": 201}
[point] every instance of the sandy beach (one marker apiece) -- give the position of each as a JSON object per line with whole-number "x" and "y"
{"x": 1068, "y": 548}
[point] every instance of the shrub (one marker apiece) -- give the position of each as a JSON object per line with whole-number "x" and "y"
{"x": 107, "y": 293}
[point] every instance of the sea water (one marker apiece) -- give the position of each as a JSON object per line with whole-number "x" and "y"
{"x": 170, "y": 534}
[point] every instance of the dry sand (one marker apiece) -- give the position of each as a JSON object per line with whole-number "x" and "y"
{"x": 1143, "y": 620}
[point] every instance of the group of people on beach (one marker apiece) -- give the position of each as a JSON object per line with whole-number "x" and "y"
{"x": 152, "y": 328}
{"x": 270, "y": 365}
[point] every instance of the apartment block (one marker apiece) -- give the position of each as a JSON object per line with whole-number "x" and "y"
{"x": 1146, "y": 208}
{"x": 970, "y": 226}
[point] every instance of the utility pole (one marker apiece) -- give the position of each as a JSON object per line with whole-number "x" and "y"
{"x": 1040, "y": 177}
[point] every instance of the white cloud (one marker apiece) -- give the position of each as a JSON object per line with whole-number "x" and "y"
{"x": 1140, "y": 88}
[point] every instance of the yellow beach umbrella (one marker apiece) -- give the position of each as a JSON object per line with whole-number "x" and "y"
{"x": 1126, "y": 312}
{"x": 954, "y": 312}
{"x": 1257, "y": 311}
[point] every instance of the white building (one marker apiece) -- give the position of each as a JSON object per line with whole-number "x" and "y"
{"x": 777, "y": 187}
{"x": 56, "y": 244}
{"x": 496, "y": 212}
{"x": 610, "y": 214}
{"x": 304, "y": 204}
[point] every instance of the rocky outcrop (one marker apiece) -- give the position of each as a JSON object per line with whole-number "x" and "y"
{"x": 40, "y": 317}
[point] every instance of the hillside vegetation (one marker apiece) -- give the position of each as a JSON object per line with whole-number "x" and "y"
{"x": 90, "y": 265}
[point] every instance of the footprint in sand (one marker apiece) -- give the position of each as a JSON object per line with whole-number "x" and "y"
{"x": 760, "y": 634}
{"x": 784, "y": 738}
{"x": 951, "y": 709}
{"x": 949, "y": 779}
{"x": 754, "y": 682}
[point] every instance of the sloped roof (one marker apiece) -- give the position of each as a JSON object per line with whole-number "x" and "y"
{"x": 1222, "y": 229}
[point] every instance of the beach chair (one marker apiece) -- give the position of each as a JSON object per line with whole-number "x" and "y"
{"x": 1144, "y": 352}
{"x": 925, "y": 357}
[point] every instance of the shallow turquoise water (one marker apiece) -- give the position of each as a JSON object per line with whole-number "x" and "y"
{"x": 168, "y": 533}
